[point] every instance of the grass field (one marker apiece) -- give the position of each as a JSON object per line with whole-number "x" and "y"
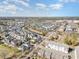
{"x": 6, "y": 51}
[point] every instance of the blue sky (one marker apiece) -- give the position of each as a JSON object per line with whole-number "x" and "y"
{"x": 36, "y": 8}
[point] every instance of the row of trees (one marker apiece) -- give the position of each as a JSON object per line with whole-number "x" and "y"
{"x": 69, "y": 39}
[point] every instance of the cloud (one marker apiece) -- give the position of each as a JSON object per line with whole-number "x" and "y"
{"x": 8, "y": 9}
{"x": 56, "y": 6}
{"x": 23, "y": 2}
{"x": 68, "y": 1}
{"x": 41, "y": 6}
{"x": 11, "y": 7}
{"x": 5, "y": 2}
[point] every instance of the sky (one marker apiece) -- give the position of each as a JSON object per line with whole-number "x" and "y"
{"x": 39, "y": 8}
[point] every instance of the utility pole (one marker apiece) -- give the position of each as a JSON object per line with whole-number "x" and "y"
{"x": 51, "y": 56}
{"x": 44, "y": 53}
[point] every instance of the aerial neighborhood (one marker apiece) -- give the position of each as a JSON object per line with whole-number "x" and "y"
{"x": 39, "y": 38}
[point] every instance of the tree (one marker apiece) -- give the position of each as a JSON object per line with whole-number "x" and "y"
{"x": 71, "y": 39}
{"x": 44, "y": 33}
{"x": 53, "y": 37}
